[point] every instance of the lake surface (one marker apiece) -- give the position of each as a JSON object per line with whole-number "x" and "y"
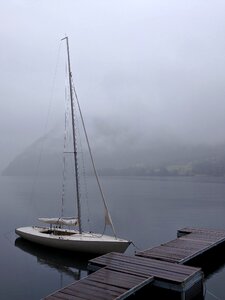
{"x": 147, "y": 210}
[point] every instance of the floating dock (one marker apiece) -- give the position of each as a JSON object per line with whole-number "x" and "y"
{"x": 103, "y": 284}
{"x": 190, "y": 244}
{"x": 178, "y": 278}
{"x": 118, "y": 276}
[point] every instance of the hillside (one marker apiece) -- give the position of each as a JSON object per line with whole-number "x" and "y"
{"x": 162, "y": 158}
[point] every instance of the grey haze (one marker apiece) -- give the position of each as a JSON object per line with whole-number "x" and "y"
{"x": 146, "y": 72}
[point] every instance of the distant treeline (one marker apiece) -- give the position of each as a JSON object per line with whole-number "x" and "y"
{"x": 161, "y": 159}
{"x": 207, "y": 167}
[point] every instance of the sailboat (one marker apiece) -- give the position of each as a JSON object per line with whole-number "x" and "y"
{"x": 67, "y": 233}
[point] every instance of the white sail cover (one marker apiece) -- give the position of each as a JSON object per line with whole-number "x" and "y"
{"x": 60, "y": 221}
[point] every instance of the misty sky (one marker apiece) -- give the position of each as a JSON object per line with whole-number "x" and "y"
{"x": 142, "y": 69}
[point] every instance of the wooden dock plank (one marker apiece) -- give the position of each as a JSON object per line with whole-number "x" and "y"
{"x": 116, "y": 278}
{"x": 204, "y": 232}
{"x": 203, "y": 237}
{"x": 105, "y": 259}
{"x": 62, "y": 296}
{"x": 186, "y": 244}
{"x": 191, "y": 243}
{"x": 74, "y": 296}
{"x": 171, "y": 251}
{"x": 87, "y": 292}
{"x": 145, "y": 267}
{"x": 105, "y": 284}
{"x": 188, "y": 230}
{"x": 55, "y": 298}
{"x": 158, "y": 257}
{"x": 172, "y": 254}
{"x": 162, "y": 256}
{"x": 100, "y": 291}
{"x": 162, "y": 274}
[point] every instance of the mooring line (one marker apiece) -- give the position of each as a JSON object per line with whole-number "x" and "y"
{"x": 213, "y": 295}
{"x": 135, "y": 246}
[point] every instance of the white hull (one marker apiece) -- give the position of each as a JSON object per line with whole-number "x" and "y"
{"x": 73, "y": 241}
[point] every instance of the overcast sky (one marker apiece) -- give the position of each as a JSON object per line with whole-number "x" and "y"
{"x": 142, "y": 68}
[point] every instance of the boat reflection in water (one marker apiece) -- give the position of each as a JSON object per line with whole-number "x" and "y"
{"x": 65, "y": 262}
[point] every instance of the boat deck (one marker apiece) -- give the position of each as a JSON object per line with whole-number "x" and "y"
{"x": 190, "y": 244}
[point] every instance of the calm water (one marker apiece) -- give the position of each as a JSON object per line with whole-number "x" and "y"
{"x": 146, "y": 210}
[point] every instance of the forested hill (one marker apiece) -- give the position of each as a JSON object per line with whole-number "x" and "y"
{"x": 160, "y": 158}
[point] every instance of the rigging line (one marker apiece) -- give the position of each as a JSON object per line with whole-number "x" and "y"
{"x": 46, "y": 123}
{"x": 213, "y": 295}
{"x": 108, "y": 218}
{"x": 53, "y": 86}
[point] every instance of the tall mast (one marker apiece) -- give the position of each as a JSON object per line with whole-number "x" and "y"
{"x": 74, "y": 137}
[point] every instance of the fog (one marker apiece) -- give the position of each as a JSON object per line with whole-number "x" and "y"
{"x": 144, "y": 70}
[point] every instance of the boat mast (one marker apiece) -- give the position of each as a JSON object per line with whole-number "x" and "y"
{"x": 74, "y": 137}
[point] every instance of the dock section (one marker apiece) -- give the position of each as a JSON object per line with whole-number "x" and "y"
{"x": 191, "y": 243}
{"x": 166, "y": 275}
{"x": 105, "y": 283}
{"x": 118, "y": 276}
